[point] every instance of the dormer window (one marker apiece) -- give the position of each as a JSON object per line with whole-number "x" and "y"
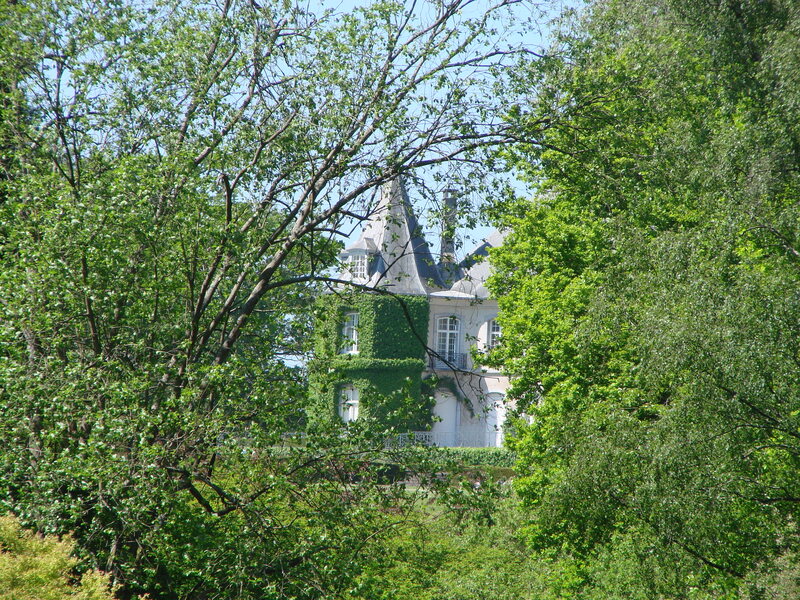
{"x": 350, "y": 334}
{"x": 357, "y": 259}
{"x": 359, "y": 267}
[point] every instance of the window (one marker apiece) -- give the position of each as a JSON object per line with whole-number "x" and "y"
{"x": 493, "y": 334}
{"x": 350, "y": 334}
{"x": 447, "y": 337}
{"x": 358, "y": 267}
{"x": 348, "y": 403}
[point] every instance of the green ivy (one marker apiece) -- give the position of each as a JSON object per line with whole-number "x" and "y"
{"x": 387, "y": 371}
{"x": 389, "y": 326}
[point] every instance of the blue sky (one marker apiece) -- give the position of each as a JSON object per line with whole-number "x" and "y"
{"x": 528, "y": 27}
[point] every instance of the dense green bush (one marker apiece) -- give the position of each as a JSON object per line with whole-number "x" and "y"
{"x": 442, "y": 556}
{"x": 481, "y": 457}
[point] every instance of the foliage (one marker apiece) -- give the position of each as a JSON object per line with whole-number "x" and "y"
{"x": 330, "y": 524}
{"x": 42, "y": 568}
{"x": 496, "y": 457}
{"x": 648, "y": 298}
{"x": 443, "y": 557}
{"x": 387, "y": 371}
{"x": 175, "y": 176}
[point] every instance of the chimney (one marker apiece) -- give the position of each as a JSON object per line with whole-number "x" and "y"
{"x": 448, "y": 248}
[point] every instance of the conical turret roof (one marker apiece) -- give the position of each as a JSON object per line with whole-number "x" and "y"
{"x": 400, "y": 257}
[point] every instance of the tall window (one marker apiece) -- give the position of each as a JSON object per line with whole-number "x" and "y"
{"x": 447, "y": 337}
{"x": 350, "y": 333}
{"x": 493, "y": 334}
{"x": 358, "y": 267}
{"x": 348, "y": 403}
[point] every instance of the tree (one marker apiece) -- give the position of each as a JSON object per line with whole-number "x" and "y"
{"x": 179, "y": 175}
{"x": 649, "y": 298}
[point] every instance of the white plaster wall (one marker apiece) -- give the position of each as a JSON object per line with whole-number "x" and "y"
{"x": 483, "y": 388}
{"x": 446, "y": 413}
{"x": 473, "y": 314}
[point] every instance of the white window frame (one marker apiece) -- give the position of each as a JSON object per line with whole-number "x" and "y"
{"x": 493, "y": 333}
{"x": 359, "y": 267}
{"x": 448, "y": 337}
{"x": 350, "y": 333}
{"x": 348, "y": 403}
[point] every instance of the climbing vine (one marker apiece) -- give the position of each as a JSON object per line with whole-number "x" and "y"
{"x": 387, "y": 370}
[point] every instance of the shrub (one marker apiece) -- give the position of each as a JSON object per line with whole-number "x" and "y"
{"x": 42, "y": 568}
{"x": 479, "y": 457}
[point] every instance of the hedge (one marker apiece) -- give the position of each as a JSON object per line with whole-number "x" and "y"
{"x": 478, "y": 457}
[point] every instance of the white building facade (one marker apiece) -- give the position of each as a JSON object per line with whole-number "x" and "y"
{"x": 392, "y": 255}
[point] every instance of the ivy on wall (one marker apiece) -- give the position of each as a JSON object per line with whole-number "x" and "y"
{"x": 387, "y": 371}
{"x": 389, "y": 326}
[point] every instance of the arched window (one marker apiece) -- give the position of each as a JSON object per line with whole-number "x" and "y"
{"x": 447, "y": 329}
{"x": 348, "y": 403}
{"x": 350, "y": 334}
{"x": 493, "y": 334}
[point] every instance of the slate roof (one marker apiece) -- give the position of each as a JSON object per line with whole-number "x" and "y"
{"x": 475, "y": 268}
{"x": 401, "y": 259}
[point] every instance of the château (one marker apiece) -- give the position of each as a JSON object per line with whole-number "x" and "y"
{"x": 401, "y": 341}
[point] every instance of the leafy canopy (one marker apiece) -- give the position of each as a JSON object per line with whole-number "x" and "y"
{"x": 649, "y": 298}
{"x": 175, "y": 179}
